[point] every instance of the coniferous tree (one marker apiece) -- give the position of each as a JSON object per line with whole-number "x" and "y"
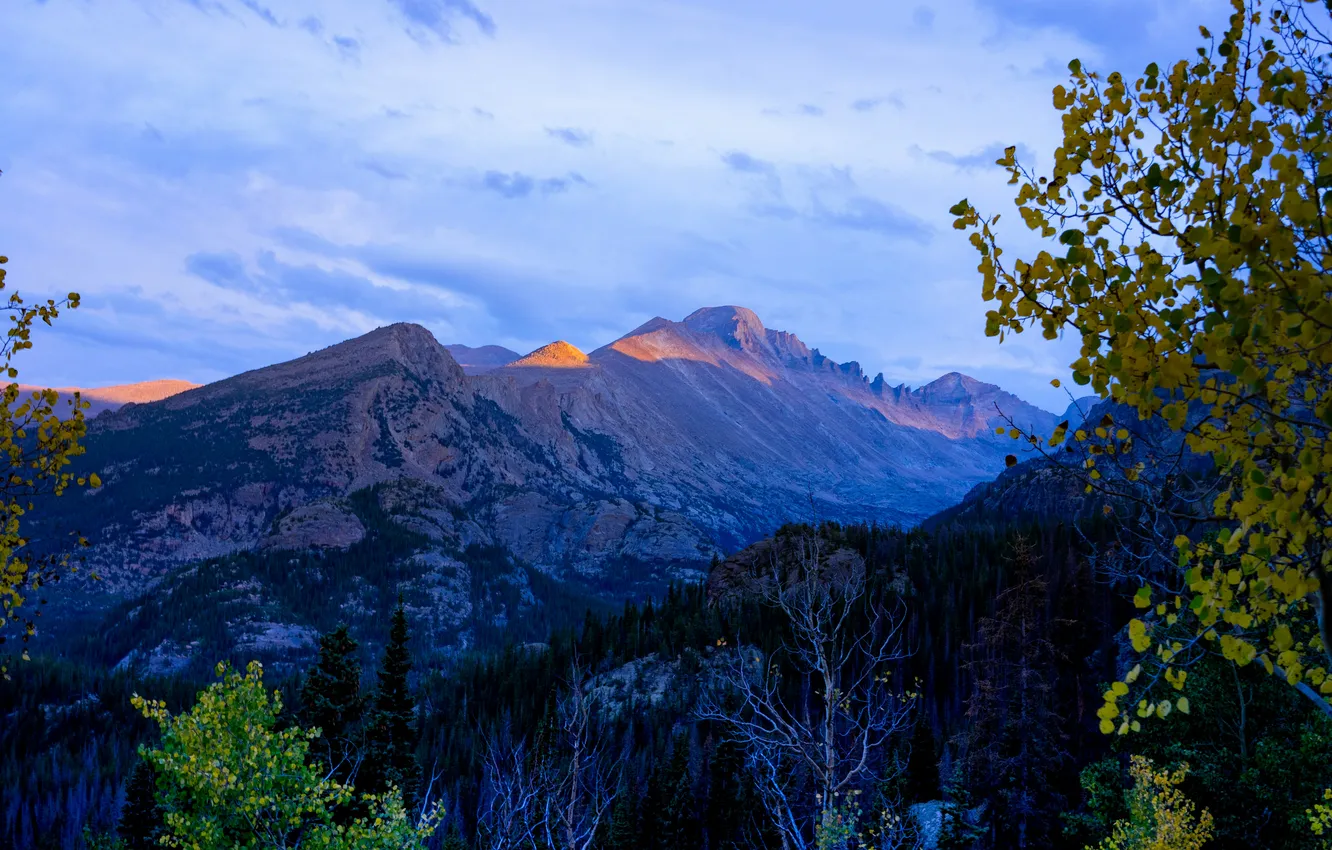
{"x": 922, "y": 767}
{"x": 391, "y": 757}
{"x": 453, "y": 839}
{"x": 1016, "y": 746}
{"x": 141, "y": 820}
{"x": 726, "y": 809}
{"x": 677, "y": 823}
{"x": 623, "y": 831}
{"x": 331, "y": 700}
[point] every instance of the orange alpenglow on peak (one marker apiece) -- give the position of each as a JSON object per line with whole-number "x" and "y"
{"x": 556, "y": 355}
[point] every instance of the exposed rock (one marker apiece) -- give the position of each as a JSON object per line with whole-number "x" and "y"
{"x": 319, "y": 525}
{"x": 643, "y": 681}
{"x": 276, "y": 637}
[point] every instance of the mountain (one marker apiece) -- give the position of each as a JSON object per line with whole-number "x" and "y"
{"x": 474, "y": 361}
{"x": 112, "y": 398}
{"x": 617, "y": 469}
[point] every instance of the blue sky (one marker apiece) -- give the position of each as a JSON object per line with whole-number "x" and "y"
{"x": 231, "y": 183}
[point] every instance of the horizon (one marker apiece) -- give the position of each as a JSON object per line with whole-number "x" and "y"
{"x": 251, "y": 181}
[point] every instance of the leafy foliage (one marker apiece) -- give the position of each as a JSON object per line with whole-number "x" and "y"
{"x": 228, "y": 778}
{"x": 1192, "y": 213}
{"x": 1160, "y": 816}
{"x": 36, "y": 444}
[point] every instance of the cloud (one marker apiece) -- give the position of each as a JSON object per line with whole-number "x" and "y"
{"x": 262, "y": 11}
{"x": 869, "y": 215}
{"x": 869, "y": 104}
{"x": 571, "y": 136}
{"x": 220, "y": 133}
{"x": 746, "y": 164}
{"x": 437, "y": 16}
{"x": 382, "y": 170}
{"x": 983, "y": 158}
{"x": 811, "y": 109}
{"x": 519, "y": 185}
{"x": 282, "y": 283}
{"x": 349, "y": 47}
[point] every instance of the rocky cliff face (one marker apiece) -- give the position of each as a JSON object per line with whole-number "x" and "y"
{"x": 675, "y": 442}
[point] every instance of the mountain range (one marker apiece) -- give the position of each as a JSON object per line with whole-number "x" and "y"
{"x": 639, "y": 461}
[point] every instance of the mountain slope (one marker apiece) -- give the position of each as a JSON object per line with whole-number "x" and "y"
{"x": 629, "y": 465}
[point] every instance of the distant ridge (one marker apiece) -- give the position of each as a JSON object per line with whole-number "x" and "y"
{"x": 475, "y": 361}
{"x": 114, "y": 397}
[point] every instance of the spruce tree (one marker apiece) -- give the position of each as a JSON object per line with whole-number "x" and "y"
{"x": 623, "y": 831}
{"x": 727, "y": 807}
{"x": 677, "y": 823}
{"x": 453, "y": 839}
{"x": 922, "y": 767}
{"x": 331, "y": 700}
{"x": 393, "y": 730}
{"x": 1016, "y": 745}
{"x": 141, "y": 820}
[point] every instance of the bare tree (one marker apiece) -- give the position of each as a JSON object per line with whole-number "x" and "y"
{"x": 816, "y": 745}
{"x": 554, "y": 798}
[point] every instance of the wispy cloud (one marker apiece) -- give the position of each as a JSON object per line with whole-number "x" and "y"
{"x": 438, "y": 16}
{"x": 263, "y": 12}
{"x": 869, "y": 104}
{"x": 518, "y": 185}
{"x": 284, "y": 283}
{"x": 382, "y": 170}
{"x": 571, "y": 136}
{"x": 347, "y": 46}
{"x": 870, "y": 215}
{"x": 746, "y": 164}
{"x": 983, "y": 158}
{"x": 222, "y": 132}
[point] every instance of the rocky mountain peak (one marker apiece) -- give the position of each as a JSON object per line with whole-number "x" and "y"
{"x": 556, "y": 355}
{"x": 953, "y": 387}
{"x": 408, "y": 345}
{"x": 738, "y": 327}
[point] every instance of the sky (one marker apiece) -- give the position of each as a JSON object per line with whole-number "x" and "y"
{"x": 234, "y": 183}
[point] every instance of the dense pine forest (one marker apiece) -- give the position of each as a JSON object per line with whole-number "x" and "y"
{"x": 1008, "y": 638}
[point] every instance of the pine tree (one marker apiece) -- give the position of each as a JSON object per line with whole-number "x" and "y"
{"x": 922, "y": 767}
{"x": 331, "y": 700}
{"x": 677, "y": 823}
{"x": 726, "y": 810}
{"x": 1016, "y": 748}
{"x": 141, "y": 819}
{"x": 392, "y": 736}
{"x": 453, "y": 839}
{"x": 623, "y": 831}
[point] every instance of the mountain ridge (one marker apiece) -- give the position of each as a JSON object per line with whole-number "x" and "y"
{"x": 674, "y": 443}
